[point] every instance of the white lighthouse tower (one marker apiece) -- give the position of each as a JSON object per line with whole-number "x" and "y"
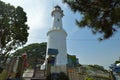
{"x": 57, "y": 39}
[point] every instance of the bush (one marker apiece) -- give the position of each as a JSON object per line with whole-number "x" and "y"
{"x": 89, "y": 79}
{"x": 3, "y": 75}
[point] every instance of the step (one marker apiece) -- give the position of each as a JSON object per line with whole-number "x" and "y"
{"x": 42, "y": 78}
{"x": 39, "y": 74}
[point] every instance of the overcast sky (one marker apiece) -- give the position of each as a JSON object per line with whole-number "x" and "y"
{"x": 80, "y": 41}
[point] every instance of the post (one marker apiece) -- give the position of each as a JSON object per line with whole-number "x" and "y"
{"x": 112, "y": 77}
{"x": 1, "y": 69}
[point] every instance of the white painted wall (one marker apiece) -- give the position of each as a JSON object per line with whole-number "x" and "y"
{"x": 57, "y": 37}
{"x": 57, "y": 21}
{"x": 57, "y": 40}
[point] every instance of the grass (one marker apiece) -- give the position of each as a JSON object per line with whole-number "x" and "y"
{"x": 3, "y": 75}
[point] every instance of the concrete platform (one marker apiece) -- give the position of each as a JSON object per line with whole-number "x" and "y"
{"x": 28, "y": 74}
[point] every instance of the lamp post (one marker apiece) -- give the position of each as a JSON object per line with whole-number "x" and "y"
{"x": 0, "y": 50}
{"x": 35, "y": 62}
{"x": 1, "y": 69}
{"x": 1, "y": 34}
{"x": 24, "y": 57}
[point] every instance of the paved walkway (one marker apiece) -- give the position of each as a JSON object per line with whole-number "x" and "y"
{"x": 28, "y": 74}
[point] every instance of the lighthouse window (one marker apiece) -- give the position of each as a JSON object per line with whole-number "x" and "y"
{"x": 58, "y": 20}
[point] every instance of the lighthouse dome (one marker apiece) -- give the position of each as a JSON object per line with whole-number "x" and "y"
{"x": 57, "y": 7}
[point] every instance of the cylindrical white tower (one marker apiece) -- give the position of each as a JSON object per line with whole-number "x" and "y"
{"x": 56, "y": 41}
{"x": 57, "y": 37}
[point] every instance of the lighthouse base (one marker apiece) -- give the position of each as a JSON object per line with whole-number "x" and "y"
{"x": 59, "y": 69}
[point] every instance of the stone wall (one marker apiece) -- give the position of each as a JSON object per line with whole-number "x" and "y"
{"x": 80, "y": 73}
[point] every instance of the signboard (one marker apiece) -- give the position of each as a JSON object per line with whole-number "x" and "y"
{"x": 52, "y": 51}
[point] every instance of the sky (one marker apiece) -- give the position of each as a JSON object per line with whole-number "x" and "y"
{"x": 80, "y": 41}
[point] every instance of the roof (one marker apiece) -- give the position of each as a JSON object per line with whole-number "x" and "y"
{"x": 57, "y": 7}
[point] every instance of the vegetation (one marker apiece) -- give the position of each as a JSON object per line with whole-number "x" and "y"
{"x": 13, "y": 29}
{"x": 98, "y": 67}
{"x": 94, "y": 68}
{"x": 89, "y": 79}
{"x": 35, "y": 53}
{"x": 3, "y": 75}
{"x": 117, "y": 61}
{"x": 101, "y": 16}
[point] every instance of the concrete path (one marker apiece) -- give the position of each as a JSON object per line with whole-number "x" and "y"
{"x": 28, "y": 74}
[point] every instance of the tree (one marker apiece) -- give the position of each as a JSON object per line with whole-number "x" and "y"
{"x": 116, "y": 62}
{"x": 34, "y": 52}
{"x": 101, "y": 16}
{"x": 13, "y": 28}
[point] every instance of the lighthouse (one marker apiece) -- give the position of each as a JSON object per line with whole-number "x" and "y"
{"x": 57, "y": 41}
{"x": 57, "y": 37}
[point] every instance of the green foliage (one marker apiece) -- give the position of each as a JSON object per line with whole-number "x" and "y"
{"x": 89, "y": 79}
{"x": 3, "y": 75}
{"x": 35, "y": 52}
{"x": 101, "y": 16}
{"x": 116, "y": 62}
{"x": 13, "y": 28}
{"x": 97, "y": 67}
